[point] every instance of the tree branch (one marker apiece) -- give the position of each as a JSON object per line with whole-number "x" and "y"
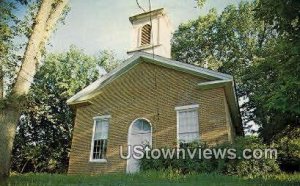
{"x": 46, "y": 20}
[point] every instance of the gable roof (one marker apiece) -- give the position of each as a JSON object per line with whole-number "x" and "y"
{"x": 88, "y": 92}
{"x": 217, "y": 80}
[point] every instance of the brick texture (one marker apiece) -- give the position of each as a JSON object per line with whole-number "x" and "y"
{"x": 146, "y": 91}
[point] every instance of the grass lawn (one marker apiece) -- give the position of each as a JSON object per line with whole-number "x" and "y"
{"x": 150, "y": 178}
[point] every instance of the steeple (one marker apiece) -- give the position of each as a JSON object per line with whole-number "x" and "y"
{"x": 151, "y": 33}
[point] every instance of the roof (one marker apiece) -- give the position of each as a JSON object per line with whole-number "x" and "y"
{"x": 146, "y": 14}
{"x": 217, "y": 79}
{"x": 88, "y": 92}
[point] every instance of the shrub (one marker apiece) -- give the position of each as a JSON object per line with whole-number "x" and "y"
{"x": 246, "y": 167}
{"x": 182, "y": 165}
{"x": 288, "y": 145}
{"x": 238, "y": 166}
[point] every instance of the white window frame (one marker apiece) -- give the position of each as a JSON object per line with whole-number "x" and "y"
{"x": 93, "y": 135}
{"x": 186, "y": 108}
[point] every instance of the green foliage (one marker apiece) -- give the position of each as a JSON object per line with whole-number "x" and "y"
{"x": 182, "y": 165}
{"x": 150, "y": 178}
{"x": 201, "y": 3}
{"x": 274, "y": 79}
{"x": 247, "y": 167}
{"x": 8, "y": 31}
{"x": 227, "y": 42}
{"x": 288, "y": 145}
{"x": 238, "y": 166}
{"x": 44, "y": 132}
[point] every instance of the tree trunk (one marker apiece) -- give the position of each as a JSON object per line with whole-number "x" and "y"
{"x": 46, "y": 19}
{"x": 30, "y": 59}
{"x": 8, "y": 120}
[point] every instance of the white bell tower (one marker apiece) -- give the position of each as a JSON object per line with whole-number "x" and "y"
{"x": 151, "y": 33}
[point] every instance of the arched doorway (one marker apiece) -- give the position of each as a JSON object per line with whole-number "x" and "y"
{"x": 139, "y": 133}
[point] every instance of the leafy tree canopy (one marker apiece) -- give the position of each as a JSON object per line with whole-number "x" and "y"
{"x": 44, "y": 132}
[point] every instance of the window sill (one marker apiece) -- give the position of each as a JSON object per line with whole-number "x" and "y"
{"x": 98, "y": 161}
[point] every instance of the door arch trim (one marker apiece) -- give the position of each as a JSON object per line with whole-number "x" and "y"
{"x": 129, "y": 135}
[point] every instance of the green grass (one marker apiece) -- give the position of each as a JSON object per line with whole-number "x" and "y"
{"x": 150, "y": 178}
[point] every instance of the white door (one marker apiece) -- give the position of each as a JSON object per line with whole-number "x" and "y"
{"x": 139, "y": 133}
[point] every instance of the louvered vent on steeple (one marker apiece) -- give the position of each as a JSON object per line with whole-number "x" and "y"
{"x": 146, "y": 35}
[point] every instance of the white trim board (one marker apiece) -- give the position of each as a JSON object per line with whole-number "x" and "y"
{"x": 102, "y": 117}
{"x": 186, "y": 107}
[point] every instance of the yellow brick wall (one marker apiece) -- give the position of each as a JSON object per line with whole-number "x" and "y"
{"x": 231, "y": 133}
{"x": 149, "y": 91}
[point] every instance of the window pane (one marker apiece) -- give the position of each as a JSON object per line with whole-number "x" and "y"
{"x": 140, "y": 126}
{"x": 103, "y": 149}
{"x": 101, "y": 129}
{"x": 96, "y": 153}
{"x": 188, "y": 137}
{"x": 146, "y": 126}
{"x": 188, "y": 129}
{"x": 98, "y": 130}
{"x": 182, "y": 122}
{"x": 104, "y": 129}
{"x": 100, "y": 139}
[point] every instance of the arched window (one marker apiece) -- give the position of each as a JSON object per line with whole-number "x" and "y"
{"x": 146, "y": 35}
{"x": 140, "y": 126}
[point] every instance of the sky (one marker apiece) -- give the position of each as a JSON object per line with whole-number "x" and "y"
{"x": 95, "y": 25}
